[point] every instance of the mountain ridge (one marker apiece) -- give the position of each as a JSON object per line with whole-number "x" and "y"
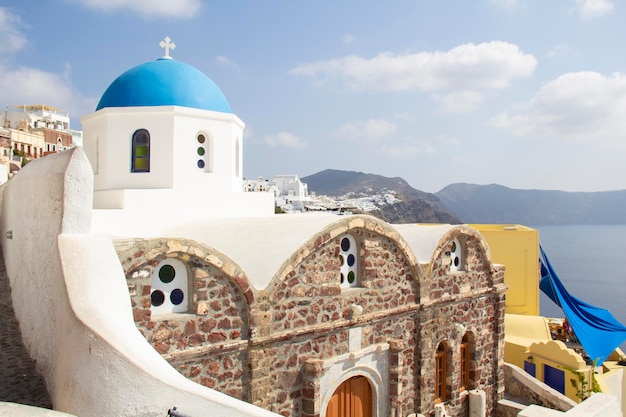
{"x": 415, "y": 206}
{"x": 473, "y": 203}
{"x": 496, "y": 203}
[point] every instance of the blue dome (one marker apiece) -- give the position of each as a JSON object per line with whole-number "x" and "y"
{"x": 164, "y": 82}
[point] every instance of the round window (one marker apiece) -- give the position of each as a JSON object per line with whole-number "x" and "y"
{"x": 177, "y": 296}
{"x": 157, "y": 298}
{"x": 167, "y": 273}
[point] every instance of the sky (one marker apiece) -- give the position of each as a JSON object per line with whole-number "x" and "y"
{"x": 528, "y": 94}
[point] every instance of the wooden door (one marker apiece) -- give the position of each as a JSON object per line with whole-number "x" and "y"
{"x": 353, "y": 398}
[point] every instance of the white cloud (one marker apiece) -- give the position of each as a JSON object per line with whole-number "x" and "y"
{"x": 285, "y": 139}
{"x": 466, "y": 67}
{"x": 11, "y": 39}
{"x": 29, "y": 85}
{"x": 591, "y": 9}
{"x": 226, "y": 62}
{"x": 148, "y": 8}
{"x": 582, "y": 106}
{"x": 459, "y": 102}
{"x": 367, "y": 129}
{"x": 25, "y": 85}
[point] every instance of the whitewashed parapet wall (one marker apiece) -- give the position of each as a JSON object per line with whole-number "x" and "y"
{"x": 71, "y": 300}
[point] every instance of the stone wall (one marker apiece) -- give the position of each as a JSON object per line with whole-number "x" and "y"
{"x": 266, "y": 346}
{"x": 208, "y": 345}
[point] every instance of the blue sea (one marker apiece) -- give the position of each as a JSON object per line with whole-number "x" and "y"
{"x": 590, "y": 260}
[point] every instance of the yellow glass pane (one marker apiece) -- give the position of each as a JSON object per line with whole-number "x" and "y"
{"x": 141, "y": 164}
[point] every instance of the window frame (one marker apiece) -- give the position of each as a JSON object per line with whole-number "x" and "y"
{"x": 441, "y": 369}
{"x": 135, "y": 145}
{"x": 457, "y": 256}
{"x": 180, "y": 282}
{"x": 345, "y": 268}
{"x": 464, "y": 371}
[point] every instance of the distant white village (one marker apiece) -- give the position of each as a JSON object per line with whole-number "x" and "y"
{"x": 30, "y": 132}
{"x": 292, "y": 196}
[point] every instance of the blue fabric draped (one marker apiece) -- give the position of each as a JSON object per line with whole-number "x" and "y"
{"x": 596, "y": 329}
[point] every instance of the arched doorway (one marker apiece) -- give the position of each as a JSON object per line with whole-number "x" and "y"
{"x": 353, "y": 398}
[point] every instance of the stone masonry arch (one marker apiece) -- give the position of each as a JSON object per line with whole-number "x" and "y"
{"x": 209, "y": 343}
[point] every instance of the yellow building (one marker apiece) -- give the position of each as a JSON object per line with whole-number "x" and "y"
{"x": 538, "y": 344}
{"x": 516, "y": 247}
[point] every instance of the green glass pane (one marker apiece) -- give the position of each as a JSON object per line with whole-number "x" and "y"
{"x": 141, "y": 150}
{"x": 167, "y": 273}
{"x": 200, "y": 151}
{"x": 351, "y": 277}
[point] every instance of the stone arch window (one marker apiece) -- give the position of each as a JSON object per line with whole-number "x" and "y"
{"x": 204, "y": 152}
{"x": 170, "y": 288}
{"x": 441, "y": 372}
{"x": 456, "y": 256}
{"x": 464, "y": 362}
{"x": 140, "y": 159}
{"x": 348, "y": 257}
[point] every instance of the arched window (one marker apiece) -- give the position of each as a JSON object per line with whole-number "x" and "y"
{"x": 348, "y": 256}
{"x": 140, "y": 161}
{"x": 204, "y": 152}
{"x": 456, "y": 256}
{"x": 465, "y": 363}
{"x": 170, "y": 293}
{"x": 441, "y": 369}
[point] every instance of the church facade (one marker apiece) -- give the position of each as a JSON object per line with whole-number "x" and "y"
{"x": 415, "y": 334}
{"x": 302, "y": 315}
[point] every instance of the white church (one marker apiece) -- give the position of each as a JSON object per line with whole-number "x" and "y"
{"x": 185, "y": 149}
{"x": 147, "y": 279}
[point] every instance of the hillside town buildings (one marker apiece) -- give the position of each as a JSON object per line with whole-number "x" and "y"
{"x": 29, "y": 132}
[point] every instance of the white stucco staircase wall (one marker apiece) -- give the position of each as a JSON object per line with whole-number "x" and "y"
{"x": 70, "y": 298}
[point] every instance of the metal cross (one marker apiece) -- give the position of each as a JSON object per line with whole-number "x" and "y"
{"x": 167, "y": 44}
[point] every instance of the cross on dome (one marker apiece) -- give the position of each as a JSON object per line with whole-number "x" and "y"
{"x": 167, "y": 44}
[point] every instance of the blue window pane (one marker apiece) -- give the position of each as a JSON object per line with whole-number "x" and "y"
{"x": 177, "y": 296}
